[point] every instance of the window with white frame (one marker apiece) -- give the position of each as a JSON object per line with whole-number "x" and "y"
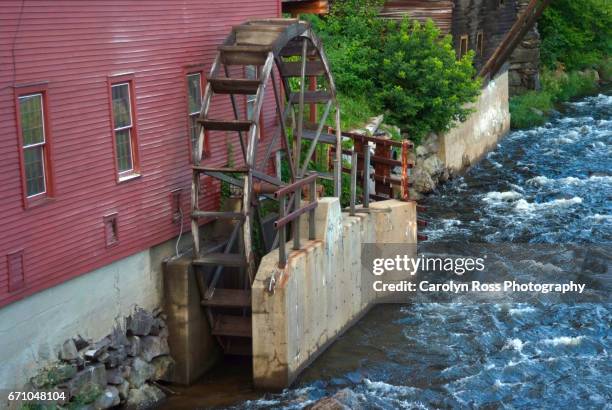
{"x": 194, "y": 89}
{"x": 34, "y": 144}
{"x": 123, "y": 127}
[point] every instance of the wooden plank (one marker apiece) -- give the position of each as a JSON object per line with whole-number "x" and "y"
{"x": 311, "y": 97}
{"x": 226, "y": 125}
{"x": 228, "y": 325}
{"x": 217, "y": 215}
{"x": 244, "y": 54}
{"x": 234, "y": 85}
{"x": 276, "y": 20}
{"x": 259, "y": 27}
{"x": 237, "y": 298}
{"x": 223, "y": 259}
{"x": 293, "y": 48}
{"x": 237, "y": 170}
{"x": 256, "y": 38}
{"x": 293, "y": 69}
{"x": 324, "y": 138}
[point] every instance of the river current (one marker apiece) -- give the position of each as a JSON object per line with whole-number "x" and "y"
{"x": 550, "y": 184}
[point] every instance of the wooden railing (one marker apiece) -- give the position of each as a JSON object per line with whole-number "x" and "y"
{"x": 362, "y": 161}
{"x": 293, "y": 217}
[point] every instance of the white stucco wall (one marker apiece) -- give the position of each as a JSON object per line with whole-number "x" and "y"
{"x": 468, "y": 141}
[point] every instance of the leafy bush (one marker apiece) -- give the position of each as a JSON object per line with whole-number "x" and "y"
{"x": 577, "y": 34}
{"x": 422, "y": 84}
{"x": 407, "y": 70}
{"x": 352, "y": 35}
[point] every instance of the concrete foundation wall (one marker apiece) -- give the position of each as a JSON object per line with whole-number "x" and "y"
{"x": 469, "y": 140}
{"x": 193, "y": 347}
{"x": 319, "y": 294}
{"x": 33, "y": 329}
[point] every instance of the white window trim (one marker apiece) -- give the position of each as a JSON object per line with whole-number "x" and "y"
{"x": 128, "y": 173}
{"x": 43, "y": 143}
{"x": 199, "y": 75}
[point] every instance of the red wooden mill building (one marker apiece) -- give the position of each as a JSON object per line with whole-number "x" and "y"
{"x": 97, "y": 103}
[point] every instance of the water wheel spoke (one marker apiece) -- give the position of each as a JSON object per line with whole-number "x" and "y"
{"x": 264, "y": 44}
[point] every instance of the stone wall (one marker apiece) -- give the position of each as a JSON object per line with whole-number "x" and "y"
{"x": 33, "y": 330}
{"x": 319, "y": 294}
{"x": 524, "y": 71}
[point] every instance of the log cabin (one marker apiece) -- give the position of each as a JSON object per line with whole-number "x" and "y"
{"x": 478, "y": 25}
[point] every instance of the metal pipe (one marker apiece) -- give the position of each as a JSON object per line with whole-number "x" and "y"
{"x": 293, "y": 216}
{"x": 311, "y": 217}
{"x": 293, "y": 187}
{"x": 282, "y": 241}
{"x": 297, "y": 203}
{"x": 366, "y": 175}
{"x": 338, "y": 159}
{"x": 353, "y": 182}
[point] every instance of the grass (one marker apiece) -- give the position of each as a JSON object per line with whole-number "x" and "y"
{"x": 533, "y": 107}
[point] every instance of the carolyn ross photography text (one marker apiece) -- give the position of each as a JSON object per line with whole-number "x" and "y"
{"x": 477, "y": 286}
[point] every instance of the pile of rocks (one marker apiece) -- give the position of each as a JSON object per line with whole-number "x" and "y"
{"x": 429, "y": 170}
{"x": 118, "y": 369}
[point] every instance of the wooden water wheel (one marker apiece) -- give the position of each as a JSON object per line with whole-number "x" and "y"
{"x": 289, "y": 47}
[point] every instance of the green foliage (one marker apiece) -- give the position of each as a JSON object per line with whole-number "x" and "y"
{"x": 352, "y": 35}
{"x": 88, "y": 394}
{"x": 532, "y": 108}
{"x": 355, "y": 110}
{"x": 423, "y": 86}
{"x": 529, "y": 109}
{"x": 408, "y": 70}
{"x": 605, "y": 69}
{"x": 577, "y": 34}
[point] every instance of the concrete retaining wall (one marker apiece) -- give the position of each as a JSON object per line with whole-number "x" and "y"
{"x": 319, "y": 294}
{"x": 33, "y": 329}
{"x": 469, "y": 140}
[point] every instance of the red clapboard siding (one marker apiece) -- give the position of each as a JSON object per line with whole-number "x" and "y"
{"x": 74, "y": 47}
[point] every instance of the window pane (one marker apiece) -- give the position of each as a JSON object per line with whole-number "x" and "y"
{"x": 251, "y": 74}
{"x": 121, "y": 105}
{"x": 31, "y": 116}
{"x": 124, "y": 150}
{"x": 250, "y": 106}
{"x": 194, "y": 130}
{"x": 195, "y": 92}
{"x": 34, "y": 170}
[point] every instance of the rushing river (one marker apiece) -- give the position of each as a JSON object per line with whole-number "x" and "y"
{"x": 551, "y": 184}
